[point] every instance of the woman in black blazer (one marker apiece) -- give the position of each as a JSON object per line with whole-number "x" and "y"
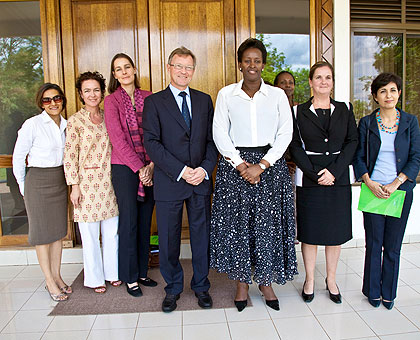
{"x": 323, "y": 145}
{"x": 387, "y": 159}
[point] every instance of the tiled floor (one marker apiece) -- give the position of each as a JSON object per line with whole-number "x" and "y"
{"x": 24, "y": 308}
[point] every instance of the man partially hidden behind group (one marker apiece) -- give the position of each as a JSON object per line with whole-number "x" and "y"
{"x": 178, "y": 139}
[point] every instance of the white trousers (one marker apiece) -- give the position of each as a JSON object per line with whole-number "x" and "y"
{"x": 98, "y": 266}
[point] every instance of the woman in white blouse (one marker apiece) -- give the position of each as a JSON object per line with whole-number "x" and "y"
{"x": 252, "y": 222}
{"x": 41, "y": 139}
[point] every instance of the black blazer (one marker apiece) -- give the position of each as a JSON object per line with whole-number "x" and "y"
{"x": 406, "y": 144}
{"x": 313, "y": 148}
{"x": 171, "y": 146}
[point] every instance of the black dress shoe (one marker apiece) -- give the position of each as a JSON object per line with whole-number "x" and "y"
{"x": 134, "y": 290}
{"x": 375, "y": 302}
{"x": 169, "y": 303}
{"x": 336, "y": 298}
{"x": 274, "y": 304}
{"x": 388, "y": 304}
{"x": 307, "y": 297}
{"x": 204, "y": 300}
{"x": 240, "y": 305}
{"x": 148, "y": 282}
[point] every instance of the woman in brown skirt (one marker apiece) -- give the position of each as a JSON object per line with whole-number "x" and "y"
{"x": 41, "y": 140}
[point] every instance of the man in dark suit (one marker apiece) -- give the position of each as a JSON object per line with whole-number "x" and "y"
{"x": 178, "y": 139}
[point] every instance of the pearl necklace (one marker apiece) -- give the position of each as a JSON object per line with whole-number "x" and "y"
{"x": 385, "y": 128}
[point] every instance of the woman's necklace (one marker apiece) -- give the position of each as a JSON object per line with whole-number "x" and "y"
{"x": 385, "y": 128}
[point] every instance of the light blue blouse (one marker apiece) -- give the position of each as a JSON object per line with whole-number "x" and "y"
{"x": 385, "y": 169}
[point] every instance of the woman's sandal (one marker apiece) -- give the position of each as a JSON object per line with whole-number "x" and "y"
{"x": 66, "y": 289}
{"x": 100, "y": 290}
{"x": 116, "y": 283}
{"x": 57, "y": 297}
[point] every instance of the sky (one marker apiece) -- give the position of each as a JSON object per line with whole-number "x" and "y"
{"x": 294, "y": 46}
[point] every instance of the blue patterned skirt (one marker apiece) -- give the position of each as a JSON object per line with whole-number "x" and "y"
{"x": 253, "y": 225}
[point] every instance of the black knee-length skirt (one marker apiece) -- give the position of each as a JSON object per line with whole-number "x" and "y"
{"x": 252, "y": 226}
{"x": 324, "y": 215}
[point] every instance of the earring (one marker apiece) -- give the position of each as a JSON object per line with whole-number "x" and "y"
{"x": 262, "y": 70}
{"x": 240, "y": 69}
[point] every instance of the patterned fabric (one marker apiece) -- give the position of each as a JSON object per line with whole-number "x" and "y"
{"x": 135, "y": 128}
{"x": 185, "y": 112}
{"x": 253, "y": 225}
{"x": 87, "y": 162}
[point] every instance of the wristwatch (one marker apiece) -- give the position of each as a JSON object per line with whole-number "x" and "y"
{"x": 262, "y": 166}
{"x": 400, "y": 179}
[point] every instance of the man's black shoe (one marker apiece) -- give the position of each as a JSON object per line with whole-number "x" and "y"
{"x": 204, "y": 299}
{"x": 169, "y": 303}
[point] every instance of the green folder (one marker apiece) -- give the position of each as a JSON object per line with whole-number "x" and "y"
{"x": 391, "y": 206}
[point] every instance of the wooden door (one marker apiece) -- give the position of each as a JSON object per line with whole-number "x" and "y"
{"x": 212, "y": 30}
{"x": 92, "y": 32}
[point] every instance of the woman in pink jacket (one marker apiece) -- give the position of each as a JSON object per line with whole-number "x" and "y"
{"x": 132, "y": 172}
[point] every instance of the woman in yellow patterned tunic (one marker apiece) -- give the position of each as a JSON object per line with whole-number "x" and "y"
{"x": 87, "y": 166}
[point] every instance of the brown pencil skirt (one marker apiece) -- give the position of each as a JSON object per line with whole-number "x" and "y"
{"x": 46, "y": 204}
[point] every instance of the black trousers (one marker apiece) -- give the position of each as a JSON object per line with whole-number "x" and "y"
{"x": 169, "y": 220}
{"x": 384, "y": 236}
{"x": 133, "y": 225}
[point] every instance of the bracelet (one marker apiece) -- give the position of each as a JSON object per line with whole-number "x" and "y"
{"x": 400, "y": 179}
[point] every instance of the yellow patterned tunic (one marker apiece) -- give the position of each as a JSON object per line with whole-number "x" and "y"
{"x": 87, "y": 162}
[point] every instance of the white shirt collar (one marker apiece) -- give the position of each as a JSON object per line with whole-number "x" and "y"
{"x": 47, "y": 119}
{"x": 312, "y": 108}
{"x": 176, "y": 91}
{"x": 238, "y": 88}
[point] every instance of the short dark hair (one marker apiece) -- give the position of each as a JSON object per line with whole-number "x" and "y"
{"x": 384, "y": 79}
{"x": 46, "y": 87}
{"x": 90, "y": 76}
{"x": 114, "y": 83}
{"x": 182, "y": 51}
{"x": 252, "y": 43}
{"x": 318, "y": 65}
{"x": 283, "y": 72}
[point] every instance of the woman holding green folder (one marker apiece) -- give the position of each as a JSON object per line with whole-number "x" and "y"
{"x": 387, "y": 159}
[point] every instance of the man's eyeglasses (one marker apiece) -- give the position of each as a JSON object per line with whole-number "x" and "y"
{"x": 180, "y": 67}
{"x": 47, "y": 100}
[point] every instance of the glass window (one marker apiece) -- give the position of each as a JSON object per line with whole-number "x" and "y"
{"x": 412, "y": 84}
{"x": 373, "y": 54}
{"x": 21, "y": 73}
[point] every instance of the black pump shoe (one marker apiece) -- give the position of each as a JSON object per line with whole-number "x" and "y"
{"x": 307, "y": 297}
{"x": 274, "y": 304}
{"x": 240, "y": 305}
{"x": 375, "y": 302}
{"x": 336, "y": 298}
{"x": 388, "y": 304}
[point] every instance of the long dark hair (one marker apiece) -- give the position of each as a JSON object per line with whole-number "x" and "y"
{"x": 114, "y": 83}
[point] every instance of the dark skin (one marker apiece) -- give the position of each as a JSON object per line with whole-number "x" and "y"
{"x": 251, "y": 67}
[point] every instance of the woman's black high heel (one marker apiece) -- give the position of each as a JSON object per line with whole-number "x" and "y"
{"x": 241, "y": 304}
{"x": 274, "y": 304}
{"x": 374, "y": 302}
{"x": 307, "y": 297}
{"x": 336, "y": 298}
{"x": 388, "y": 304}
